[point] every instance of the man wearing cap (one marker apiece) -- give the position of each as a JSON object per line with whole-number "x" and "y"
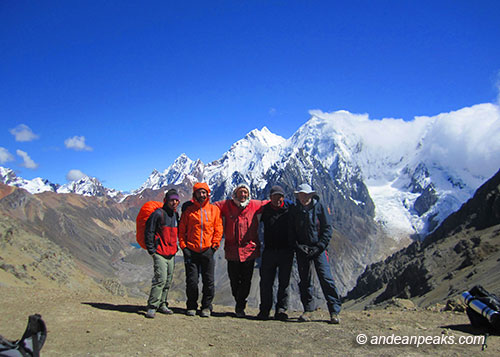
{"x": 200, "y": 233}
{"x": 160, "y": 237}
{"x": 311, "y": 233}
{"x": 242, "y": 244}
{"x": 277, "y": 255}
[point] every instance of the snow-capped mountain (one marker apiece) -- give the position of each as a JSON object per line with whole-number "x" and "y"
{"x": 416, "y": 172}
{"x": 37, "y": 185}
{"x": 384, "y": 182}
{"x": 174, "y": 175}
{"x": 86, "y": 186}
{"x": 247, "y": 160}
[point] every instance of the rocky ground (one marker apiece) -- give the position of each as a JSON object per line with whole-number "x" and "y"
{"x": 86, "y": 323}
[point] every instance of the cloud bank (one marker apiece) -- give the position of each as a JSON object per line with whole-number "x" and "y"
{"x": 466, "y": 139}
{"x": 469, "y": 137}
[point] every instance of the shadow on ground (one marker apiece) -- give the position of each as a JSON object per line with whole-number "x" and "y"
{"x": 131, "y": 309}
{"x": 467, "y": 328}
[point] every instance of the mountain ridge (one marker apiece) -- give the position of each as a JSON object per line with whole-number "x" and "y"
{"x": 463, "y": 251}
{"x": 417, "y": 172}
{"x": 384, "y": 183}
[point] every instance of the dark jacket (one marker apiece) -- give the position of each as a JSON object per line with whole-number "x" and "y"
{"x": 310, "y": 225}
{"x": 276, "y": 224}
{"x": 160, "y": 234}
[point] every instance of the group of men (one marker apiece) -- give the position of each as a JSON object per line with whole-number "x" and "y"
{"x": 300, "y": 229}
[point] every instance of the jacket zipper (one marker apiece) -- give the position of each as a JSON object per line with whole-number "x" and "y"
{"x": 201, "y": 232}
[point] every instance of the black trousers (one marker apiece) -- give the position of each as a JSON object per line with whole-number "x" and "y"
{"x": 240, "y": 277}
{"x": 196, "y": 263}
{"x": 275, "y": 261}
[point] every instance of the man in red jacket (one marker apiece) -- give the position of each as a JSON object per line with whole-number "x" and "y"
{"x": 242, "y": 245}
{"x": 160, "y": 237}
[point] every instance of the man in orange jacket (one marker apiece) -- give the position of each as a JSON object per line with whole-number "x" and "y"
{"x": 200, "y": 233}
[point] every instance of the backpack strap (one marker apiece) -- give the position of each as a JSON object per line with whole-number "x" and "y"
{"x": 32, "y": 341}
{"x": 6, "y": 345}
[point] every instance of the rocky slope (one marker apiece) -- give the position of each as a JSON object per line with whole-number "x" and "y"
{"x": 96, "y": 231}
{"x": 27, "y": 260}
{"x": 462, "y": 252}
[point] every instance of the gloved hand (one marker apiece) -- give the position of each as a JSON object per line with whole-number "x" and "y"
{"x": 303, "y": 248}
{"x": 186, "y": 252}
{"x": 313, "y": 252}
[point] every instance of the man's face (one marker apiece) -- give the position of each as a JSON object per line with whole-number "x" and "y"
{"x": 173, "y": 203}
{"x": 304, "y": 198}
{"x": 277, "y": 200}
{"x": 201, "y": 195}
{"x": 242, "y": 194}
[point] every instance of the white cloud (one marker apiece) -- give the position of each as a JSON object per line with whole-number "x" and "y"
{"x": 464, "y": 140}
{"x": 27, "y": 160}
{"x": 23, "y": 132}
{"x": 273, "y": 111}
{"x": 5, "y": 156}
{"x": 469, "y": 137}
{"x": 77, "y": 143}
{"x": 74, "y": 175}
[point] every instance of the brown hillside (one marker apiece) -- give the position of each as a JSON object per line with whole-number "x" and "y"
{"x": 88, "y": 324}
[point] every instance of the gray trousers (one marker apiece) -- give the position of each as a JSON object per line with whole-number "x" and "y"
{"x": 162, "y": 279}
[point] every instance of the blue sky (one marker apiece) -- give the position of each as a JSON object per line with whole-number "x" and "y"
{"x": 115, "y": 89}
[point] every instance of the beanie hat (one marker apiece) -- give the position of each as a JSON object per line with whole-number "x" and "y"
{"x": 235, "y": 200}
{"x": 172, "y": 195}
{"x": 241, "y": 185}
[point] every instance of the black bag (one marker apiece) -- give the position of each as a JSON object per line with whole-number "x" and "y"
{"x": 483, "y": 308}
{"x": 30, "y": 344}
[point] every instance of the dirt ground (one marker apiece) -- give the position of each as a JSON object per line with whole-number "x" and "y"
{"x": 86, "y": 324}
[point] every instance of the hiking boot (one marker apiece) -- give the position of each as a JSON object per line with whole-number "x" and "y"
{"x": 191, "y": 312}
{"x": 306, "y": 316}
{"x": 334, "y": 319}
{"x": 151, "y": 313}
{"x": 205, "y": 313}
{"x": 263, "y": 316}
{"x": 240, "y": 313}
{"x": 165, "y": 310}
{"x": 281, "y": 316}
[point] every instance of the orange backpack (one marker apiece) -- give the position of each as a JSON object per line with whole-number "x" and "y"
{"x": 140, "y": 222}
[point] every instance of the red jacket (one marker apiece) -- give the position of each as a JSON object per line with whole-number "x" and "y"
{"x": 241, "y": 229}
{"x": 161, "y": 232}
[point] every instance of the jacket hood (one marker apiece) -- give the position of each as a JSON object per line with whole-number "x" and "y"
{"x": 197, "y": 186}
